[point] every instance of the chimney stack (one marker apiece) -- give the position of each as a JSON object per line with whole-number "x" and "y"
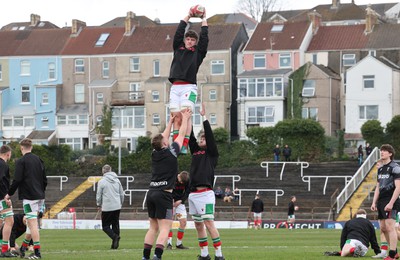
{"x": 335, "y": 4}
{"x": 316, "y": 20}
{"x": 371, "y": 18}
{"x": 77, "y": 27}
{"x": 35, "y": 19}
{"x": 129, "y": 23}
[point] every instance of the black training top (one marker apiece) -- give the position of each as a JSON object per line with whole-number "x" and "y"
{"x": 164, "y": 168}
{"x": 387, "y": 174}
{"x": 186, "y": 62}
{"x": 362, "y": 230}
{"x": 30, "y": 178}
{"x": 257, "y": 206}
{"x": 181, "y": 191}
{"x": 204, "y": 161}
{"x": 4, "y": 178}
{"x": 291, "y": 208}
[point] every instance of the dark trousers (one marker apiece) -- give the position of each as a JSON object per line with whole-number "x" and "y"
{"x": 110, "y": 222}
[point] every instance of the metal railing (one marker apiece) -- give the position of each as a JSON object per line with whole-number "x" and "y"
{"x": 357, "y": 179}
{"x": 93, "y": 179}
{"x": 265, "y": 165}
{"x": 309, "y": 177}
{"x": 129, "y": 193}
{"x": 235, "y": 178}
{"x": 62, "y": 178}
{"x": 278, "y": 193}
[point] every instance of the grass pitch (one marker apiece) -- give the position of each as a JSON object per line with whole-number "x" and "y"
{"x": 237, "y": 244}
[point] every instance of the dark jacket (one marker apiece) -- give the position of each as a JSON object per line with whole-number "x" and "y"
{"x": 186, "y": 63}
{"x": 4, "y": 178}
{"x": 204, "y": 161}
{"x": 30, "y": 178}
{"x": 257, "y": 206}
{"x": 362, "y": 230}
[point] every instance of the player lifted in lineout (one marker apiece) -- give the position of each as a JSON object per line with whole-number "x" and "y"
{"x": 189, "y": 51}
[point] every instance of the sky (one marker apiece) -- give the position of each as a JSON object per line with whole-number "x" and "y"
{"x": 97, "y": 12}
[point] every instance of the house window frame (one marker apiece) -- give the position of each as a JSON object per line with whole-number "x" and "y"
{"x": 52, "y": 71}
{"x": 213, "y": 119}
{"x": 367, "y": 80}
{"x": 310, "y": 113}
{"x": 100, "y": 98}
{"x": 308, "y": 90}
{"x": 156, "y": 120}
{"x": 79, "y": 93}
{"x": 260, "y": 59}
{"x": 349, "y": 59}
{"x": 25, "y": 68}
{"x": 79, "y": 66}
{"x": 134, "y": 88}
{"x": 45, "y": 98}
{"x": 365, "y": 113}
{"x": 283, "y": 56}
{"x": 212, "y": 95}
{"x": 217, "y": 67}
{"x": 25, "y": 94}
{"x": 155, "y": 94}
{"x": 134, "y": 64}
{"x": 156, "y": 68}
{"x": 105, "y": 69}
{"x": 260, "y": 114}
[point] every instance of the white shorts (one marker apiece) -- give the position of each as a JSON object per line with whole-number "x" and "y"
{"x": 3, "y": 205}
{"x": 180, "y": 212}
{"x": 182, "y": 96}
{"x": 257, "y": 215}
{"x": 289, "y": 217}
{"x": 32, "y": 207}
{"x": 201, "y": 205}
{"x": 356, "y": 243}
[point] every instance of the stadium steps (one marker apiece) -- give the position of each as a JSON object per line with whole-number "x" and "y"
{"x": 361, "y": 194}
{"x": 75, "y": 193}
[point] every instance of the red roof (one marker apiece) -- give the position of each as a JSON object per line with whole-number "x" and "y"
{"x": 84, "y": 43}
{"x": 347, "y": 37}
{"x": 290, "y": 38}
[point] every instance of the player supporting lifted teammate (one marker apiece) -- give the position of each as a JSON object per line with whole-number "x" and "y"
{"x": 163, "y": 177}
{"x": 6, "y": 210}
{"x": 180, "y": 195}
{"x": 31, "y": 181}
{"x": 386, "y": 197}
{"x": 201, "y": 198}
{"x": 189, "y": 52}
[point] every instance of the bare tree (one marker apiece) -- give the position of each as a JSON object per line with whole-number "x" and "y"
{"x": 256, "y": 8}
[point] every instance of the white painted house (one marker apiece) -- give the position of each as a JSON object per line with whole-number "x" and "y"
{"x": 372, "y": 92}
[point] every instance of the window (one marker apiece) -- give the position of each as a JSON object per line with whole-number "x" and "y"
{"x": 45, "y": 98}
{"x": 261, "y": 87}
{"x": 106, "y": 69}
{"x": 309, "y": 113}
{"x": 213, "y": 119}
{"x": 217, "y": 67}
{"x": 100, "y": 98}
{"x": 156, "y": 96}
{"x": 257, "y": 115}
{"x": 74, "y": 143}
{"x": 61, "y": 120}
{"x": 25, "y": 94}
{"x": 368, "y": 112}
{"x": 259, "y": 61}
{"x": 25, "y": 68}
{"x": 284, "y": 60}
{"x": 82, "y": 120}
{"x": 134, "y": 64}
{"x": 18, "y": 121}
{"x": 369, "y": 81}
{"x": 314, "y": 58}
{"x": 52, "y": 70}
{"x": 308, "y": 88}
{"x": 277, "y": 28}
{"x": 102, "y": 39}
{"x": 372, "y": 53}
{"x": 79, "y": 93}
{"x": 79, "y": 66}
{"x": 156, "y": 119}
{"x": 134, "y": 90}
{"x": 132, "y": 117}
{"x": 45, "y": 121}
{"x": 156, "y": 68}
{"x": 212, "y": 95}
{"x": 28, "y": 121}
{"x": 349, "y": 59}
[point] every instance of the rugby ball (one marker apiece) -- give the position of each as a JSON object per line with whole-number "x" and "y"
{"x": 197, "y": 11}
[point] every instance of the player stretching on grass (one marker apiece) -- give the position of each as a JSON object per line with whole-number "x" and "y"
{"x": 201, "y": 198}
{"x": 189, "y": 52}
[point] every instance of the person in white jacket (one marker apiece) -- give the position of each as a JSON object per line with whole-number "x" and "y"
{"x": 109, "y": 198}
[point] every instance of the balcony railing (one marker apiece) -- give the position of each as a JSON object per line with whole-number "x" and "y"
{"x": 127, "y": 98}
